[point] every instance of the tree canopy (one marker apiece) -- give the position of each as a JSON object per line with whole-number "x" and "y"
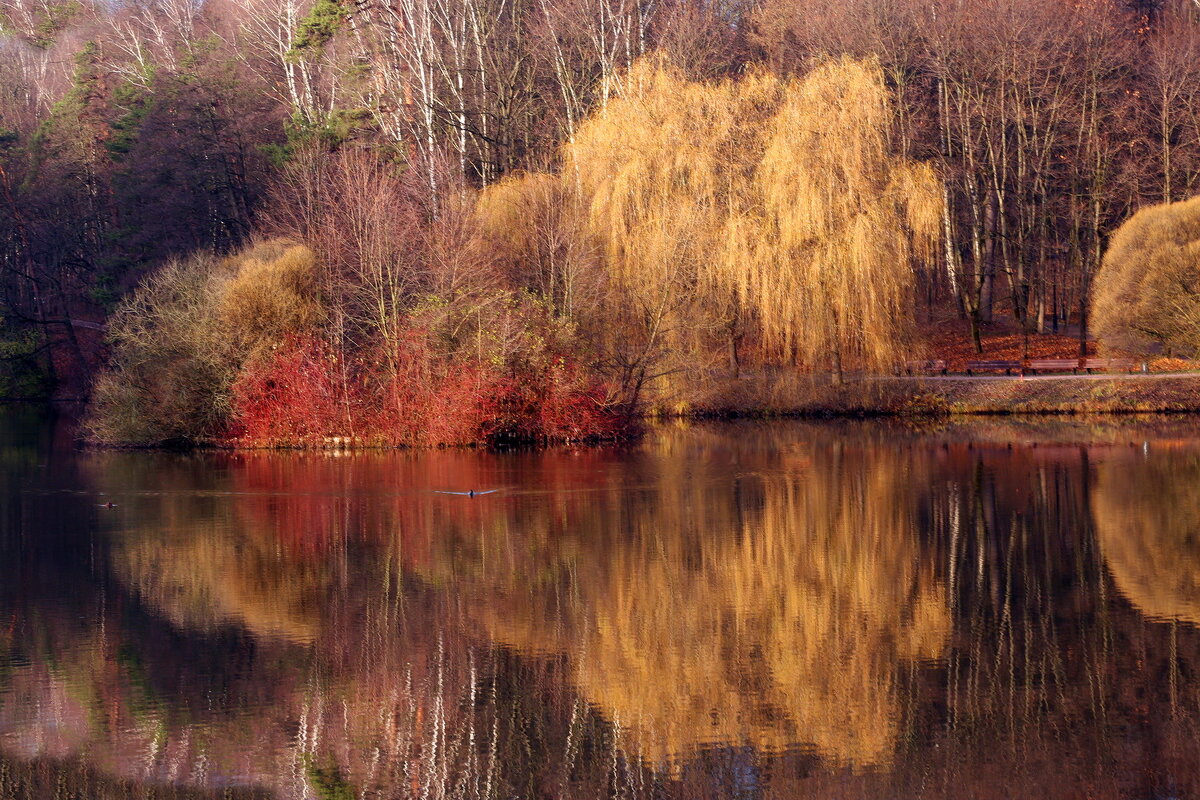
{"x": 1148, "y": 288}
{"x": 764, "y": 207}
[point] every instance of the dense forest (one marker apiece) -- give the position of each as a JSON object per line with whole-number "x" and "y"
{"x": 462, "y": 220}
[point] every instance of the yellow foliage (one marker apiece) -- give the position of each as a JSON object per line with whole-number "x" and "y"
{"x": 274, "y": 292}
{"x": 762, "y": 198}
{"x": 506, "y": 208}
{"x": 1147, "y": 291}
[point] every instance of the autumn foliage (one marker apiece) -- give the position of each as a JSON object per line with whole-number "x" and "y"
{"x": 1147, "y": 288}
{"x": 692, "y": 225}
{"x": 291, "y": 395}
{"x": 695, "y": 186}
{"x": 302, "y": 394}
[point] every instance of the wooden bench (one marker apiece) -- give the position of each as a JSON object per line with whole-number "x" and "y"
{"x": 1108, "y": 364}
{"x": 937, "y": 366}
{"x": 1053, "y": 365}
{"x": 994, "y": 366}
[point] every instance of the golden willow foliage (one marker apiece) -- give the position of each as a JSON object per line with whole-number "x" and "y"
{"x": 764, "y": 203}
{"x": 1149, "y": 531}
{"x": 1148, "y": 288}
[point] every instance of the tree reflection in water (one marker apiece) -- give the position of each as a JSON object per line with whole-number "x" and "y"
{"x": 1149, "y": 528}
{"x": 768, "y": 610}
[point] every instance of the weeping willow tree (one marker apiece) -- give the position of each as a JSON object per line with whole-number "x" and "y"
{"x": 764, "y": 206}
{"x": 663, "y": 173}
{"x": 830, "y": 269}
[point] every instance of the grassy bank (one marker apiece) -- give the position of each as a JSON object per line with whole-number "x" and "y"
{"x": 805, "y": 396}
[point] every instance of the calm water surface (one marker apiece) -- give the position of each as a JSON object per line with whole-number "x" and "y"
{"x": 994, "y": 609}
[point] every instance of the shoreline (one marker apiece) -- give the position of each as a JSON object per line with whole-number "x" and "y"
{"x": 930, "y": 396}
{"x": 802, "y": 397}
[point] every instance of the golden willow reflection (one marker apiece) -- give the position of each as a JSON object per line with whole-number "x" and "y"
{"x": 1150, "y": 528}
{"x": 773, "y": 613}
{"x": 777, "y": 610}
{"x": 201, "y": 576}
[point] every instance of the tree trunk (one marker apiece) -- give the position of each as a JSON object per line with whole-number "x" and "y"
{"x": 735, "y": 365}
{"x": 1083, "y": 324}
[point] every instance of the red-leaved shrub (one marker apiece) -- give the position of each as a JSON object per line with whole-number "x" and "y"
{"x": 296, "y": 396}
{"x": 418, "y": 394}
{"x": 552, "y": 401}
{"x": 433, "y": 399}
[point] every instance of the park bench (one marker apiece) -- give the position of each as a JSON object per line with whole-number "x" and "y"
{"x": 993, "y": 366}
{"x": 1037, "y": 365}
{"x": 1108, "y": 364}
{"x": 937, "y": 366}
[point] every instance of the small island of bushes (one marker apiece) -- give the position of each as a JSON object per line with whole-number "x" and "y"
{"x": 259, "y": 350}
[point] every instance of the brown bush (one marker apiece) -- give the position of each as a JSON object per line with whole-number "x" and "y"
{"x": 273, "y": 293}
{"x": 1148, "y": 288}
{"x": 171, "y": 362}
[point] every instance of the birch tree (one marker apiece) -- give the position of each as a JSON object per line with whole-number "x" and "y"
{"x": 267, "y": 31}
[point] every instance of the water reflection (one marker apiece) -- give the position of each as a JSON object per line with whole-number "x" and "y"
{"x": 768, "y": 610}
{"x": 202, "y": 575}
{"x": 765, "y": 604}
{"x": 1149, "y": 527}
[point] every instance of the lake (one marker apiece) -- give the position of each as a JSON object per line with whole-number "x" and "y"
{"x": 987, "y": 609}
